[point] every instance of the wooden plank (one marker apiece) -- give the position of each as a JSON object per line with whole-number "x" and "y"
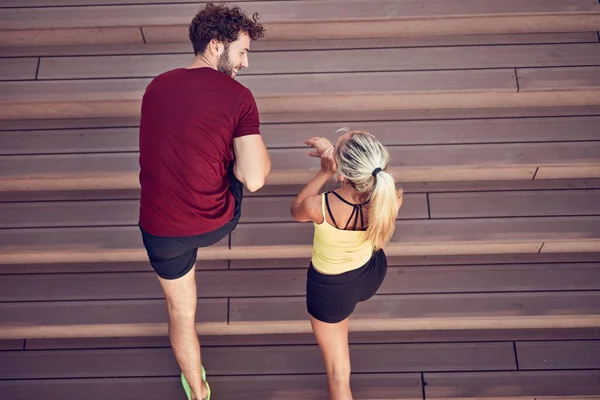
{"x": 292, "y": 190}
{"x": 99, "y": 318}
{"x": 82, "y": 286}
{"x": 15, "y": 69}
{"x": 94, "y": 165}
{"x": 578, "y": 246}
{"x": 491, "y": 278}
{"x": 521, "y": 385}
{"x": 315, "y": 44}
{"x": 445, "y": 131}
{"x": 340, "y": 117}
{"x": 71, "y": 239}
{"x": 510, "y": 130}
{"x": 288, "y": 11}
{"x": 573, "y": 172}
{"x": 125, "y": 212}
{"x": 467, "y": 230}
{"x": 501, "y": 80}
{"x": 63, "y": 214}
{"x": 291, "y": 282}
{"x": 15, "y": 344}
{"x": 347, "y": 60}
{"x": 441, "y": 357}
{"x": 392, "y": 337}
{"x": 8, "y": 196}
{"x": 109, "y": 266}
{"x": 118, "y": 286}
{"x": 418, "y": 163}
{"x": 439, "y": 260}
{"x": 31, "y": 257}
{"x": 85, "y": 36}
{"x": 434, "y": 311}
{"x": 419, "y": 27}
{"x": 257, "y": 360}
{"x": 87, "y": 3}
{"x": 288, "y": 315}
{"x": 54, "y": 91}
{"x": 277, "y": 209}
{"x": 70, "y": 141}
{"x": 282, "y": 93}
{"x": 463, "y": 155}
{"x": 514, "y": 204}
{"x": 377, "y": 82}
{"x": 297, "y": 387}
{"x": 124, "y": 243}
{"x": 559, "y": 355}
{"x": 558, "y": 79}
{"x": 99, "y": 388}
{"x": 379, "y": 386}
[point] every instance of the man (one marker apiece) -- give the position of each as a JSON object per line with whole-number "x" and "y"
{"x": 199, "y": 145}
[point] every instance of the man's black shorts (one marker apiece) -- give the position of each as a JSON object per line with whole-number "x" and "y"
{"x": 173, "y": 257}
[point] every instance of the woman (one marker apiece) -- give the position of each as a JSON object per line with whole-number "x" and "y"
{"x": 352, "y": 225}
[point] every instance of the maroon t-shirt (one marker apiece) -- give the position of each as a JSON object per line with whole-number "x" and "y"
{"x": 189, "y": 120}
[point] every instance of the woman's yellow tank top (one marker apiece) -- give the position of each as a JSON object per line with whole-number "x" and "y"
{"x": 336, "y": 251}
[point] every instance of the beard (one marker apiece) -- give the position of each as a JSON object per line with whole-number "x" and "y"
{"x": 224, "y": 64}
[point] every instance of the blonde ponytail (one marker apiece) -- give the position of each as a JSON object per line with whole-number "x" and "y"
{"x": 363, "y": 160}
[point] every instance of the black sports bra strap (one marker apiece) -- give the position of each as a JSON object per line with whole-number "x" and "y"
{"x": 362, "y": 220}
{"x": 350, "y": 219}
{"x": 342, "y": 199}
{"x": 329, "y": 208}
{"x": 357, "y": 216}
{"x": 357, "y": 212}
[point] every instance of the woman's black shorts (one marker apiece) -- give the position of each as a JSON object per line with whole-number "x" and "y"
{"x": 332, "y": 298}
{"x": 173, "y": 257}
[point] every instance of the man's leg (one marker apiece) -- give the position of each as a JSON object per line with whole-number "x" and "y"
{"x": 181, "y": 304}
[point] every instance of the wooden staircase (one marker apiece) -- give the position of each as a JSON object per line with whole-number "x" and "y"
{"x": 491, "y": 113}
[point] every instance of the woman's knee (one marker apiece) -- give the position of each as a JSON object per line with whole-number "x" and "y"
{"x": 339, "y": 374}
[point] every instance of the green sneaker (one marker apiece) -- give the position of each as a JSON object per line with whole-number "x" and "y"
{"x": 188, "y": 389}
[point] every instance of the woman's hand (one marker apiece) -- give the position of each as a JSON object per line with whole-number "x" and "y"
{"x": 320, "y": 144}
{"x": 323, "y": 150}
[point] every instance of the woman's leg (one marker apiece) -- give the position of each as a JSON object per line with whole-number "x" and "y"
{"x": 333, "y": 342}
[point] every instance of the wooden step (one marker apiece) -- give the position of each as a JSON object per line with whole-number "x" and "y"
{"x": 81, "y": 170}
{"x": 448, "y": 370}
{"x": 323, "y": 92}
{"x": 331, "y": 61}
{"x": 547, "y": 385}
{"x": 284, "y": 315}
{"x": 88, "y": 286}
{"x": 267, "y": 209}
{"x": 291, "y": 135}
{"x": 430, "y": 77}
{"x": 316, "y": 44}
{"x": 95, "y": 23}
{"x": 540, "y": 385}
{"x": 294, "y": 240}
{"x": 340, "y": 117}
{"x": 261, "y": 360}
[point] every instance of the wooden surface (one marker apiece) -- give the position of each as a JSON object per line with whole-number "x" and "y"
{"x": 282, "y": 11}
{"x": 380, "y": 371}
{"x": 317, "y": 44}
{"x": 493, "y": 133}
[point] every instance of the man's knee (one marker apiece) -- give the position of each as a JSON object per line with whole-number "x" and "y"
{"x": 182, "y": 308}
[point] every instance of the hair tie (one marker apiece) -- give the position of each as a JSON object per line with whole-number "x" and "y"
{"x": 376, "y": 171}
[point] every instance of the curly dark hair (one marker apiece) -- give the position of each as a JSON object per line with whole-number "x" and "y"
{"x": 218, "y": 21}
